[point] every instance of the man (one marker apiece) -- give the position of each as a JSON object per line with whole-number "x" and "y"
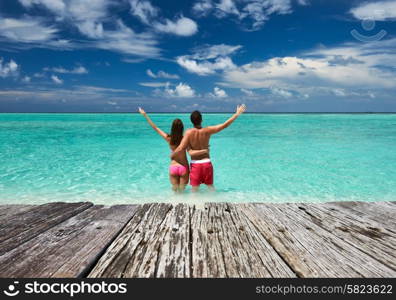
{"x": 197, "y": 138}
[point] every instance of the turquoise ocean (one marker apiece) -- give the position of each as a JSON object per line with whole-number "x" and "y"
{"x": 118, "y": 158}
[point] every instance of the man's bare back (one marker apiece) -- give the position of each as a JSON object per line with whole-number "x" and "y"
{"x": 199, "y": 139}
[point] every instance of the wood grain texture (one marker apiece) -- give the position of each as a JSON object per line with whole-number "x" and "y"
{"x": 226, "y": 244}
{"x": 338, "y": 239}
{"x": 383, "y": 212}
{"x": 182, "y": 241}
{"x": 374, "y": 238}
{"x": 310, "y": 250}
{"x": 69, "y": 248}
{"x": 6, "y": 211}
{"x": 23, "y": 226}
{"x": 153, "y": 244}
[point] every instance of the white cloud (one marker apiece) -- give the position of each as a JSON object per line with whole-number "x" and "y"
{"x": 53, "y": 5}
{"x": 294, "y": 70}
{"x": 202, "y": 7}
{"x": 209, "y": 59}
{"x": 339, "y": 92}
{"x": 259, "y": 11}
{"x": 95, "y": 21}
{"x": 91, "y": 29}
{"x": 226, "y": 7}
{"x": 89, "y": 94}
{"x": 182, "y": 90}
{"x": 76, "y": 70}
{"x": 96, "y": 89}
{"x": 324, "y": 70}
{"x": 56, "y": 79}
{"x": 26, "y": 79}
{"x": 218, "y": 93}
{"x": 26, "y": 30}
{"x": 154, "y": 84}
{"x": 8, "y": 69}
{"x": 206, "y": 67}
{"x": 39, "y": 75}
{"x": 133, "y": 60}
{"x": 253, "y": 13}
{"x": 281, "y": 92}
{"x": 148, "y": 14}
{"x": 248, "y": 93}
{"x": 378, "y": 11}
{"x": 183, "y": 26}
{"x": 161, "y": 74}
{"x": 150, "y": 73}
{"x": 123, "y": 39}
{"x": 90, "y": 17}
{"x": 144, "y": 10}
{"x": 214, "y": 51}
{"x": 87, "y": 16}
{"x": 303, "y": 2}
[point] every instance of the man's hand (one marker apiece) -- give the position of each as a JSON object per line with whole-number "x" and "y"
{"x": 240, "y": 109}
{"x": 141, "y": 110}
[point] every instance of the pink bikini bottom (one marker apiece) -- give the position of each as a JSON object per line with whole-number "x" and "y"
{"x": 177, "y": 170}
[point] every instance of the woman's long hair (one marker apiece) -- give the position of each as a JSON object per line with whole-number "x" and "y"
{"x": 176, "y": 132}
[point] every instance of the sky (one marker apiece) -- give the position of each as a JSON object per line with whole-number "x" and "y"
{"x": 208, "y": 55}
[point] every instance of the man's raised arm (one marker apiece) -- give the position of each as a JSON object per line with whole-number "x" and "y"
{"x": 217, "y": 128}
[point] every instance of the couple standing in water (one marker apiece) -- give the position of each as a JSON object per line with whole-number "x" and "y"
{"x": 196, "y": 142}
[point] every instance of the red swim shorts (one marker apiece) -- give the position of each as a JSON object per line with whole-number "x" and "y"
{"x": 201, "y": 172}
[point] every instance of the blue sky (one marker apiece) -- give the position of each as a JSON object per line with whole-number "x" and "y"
{"x": 273, "y": 55}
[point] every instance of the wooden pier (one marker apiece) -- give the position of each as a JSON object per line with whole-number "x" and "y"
{"x": 339, "y": 239}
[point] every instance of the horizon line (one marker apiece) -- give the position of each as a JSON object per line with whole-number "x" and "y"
{"x": 209, "y": 112}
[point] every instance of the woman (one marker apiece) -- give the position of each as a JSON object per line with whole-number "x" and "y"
{"x": 178, "y": 170}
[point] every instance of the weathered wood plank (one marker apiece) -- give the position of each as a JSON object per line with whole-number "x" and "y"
{"x": 226, "y": 244}
{"x": 127, "y": 255}
{"x": 371, "y": 237}
{"x": 268, "y": 262}
{"x": 69, "y": 248}
{"x": 216, "y": 257}
{"x": 202, "y": 262}
{"x": 310, "y": 250}
{"x": 6, "y": 211}
{"x": 173, "y": 245}
{"x": 23, "y": 226}
{"x": 223, "y": 240}
{"x": 385, "y": 212}
{"x": 153, "y": 245}
{"x": 160, "y": 242}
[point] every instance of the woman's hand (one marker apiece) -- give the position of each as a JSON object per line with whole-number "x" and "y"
{"x": 141, "y": 110}
{"x": 240, "y": 109}
{"x": 198, "y": 152}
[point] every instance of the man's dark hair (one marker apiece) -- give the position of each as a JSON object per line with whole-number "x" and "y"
{"x": 196, "y": 118}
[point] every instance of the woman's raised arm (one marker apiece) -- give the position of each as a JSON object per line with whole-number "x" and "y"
{"x": 159, "y": 131}
{"x": 197, "y": 152}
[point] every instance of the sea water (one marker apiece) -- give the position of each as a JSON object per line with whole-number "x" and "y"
{"x": 118, "y": 158}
